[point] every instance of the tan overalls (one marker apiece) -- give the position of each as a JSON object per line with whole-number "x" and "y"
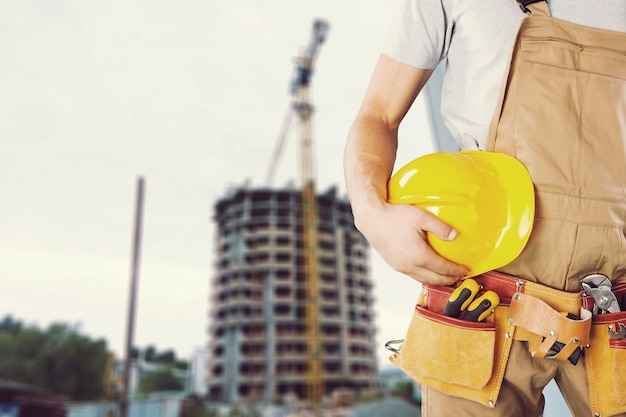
{"x": 563, "y": 114}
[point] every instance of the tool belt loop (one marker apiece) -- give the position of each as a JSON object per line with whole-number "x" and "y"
{"x": 536, "y": 316}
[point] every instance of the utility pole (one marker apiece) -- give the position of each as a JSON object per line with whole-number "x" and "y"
{"x": 134, "y": 282}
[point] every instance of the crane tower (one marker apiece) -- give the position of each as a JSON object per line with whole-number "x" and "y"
{"x": 301, "y": 106}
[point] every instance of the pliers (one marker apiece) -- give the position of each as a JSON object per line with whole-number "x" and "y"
{"x": 599, "y": 288}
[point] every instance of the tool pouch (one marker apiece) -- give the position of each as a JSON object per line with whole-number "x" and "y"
{"x": 468, "y": 359}
{"x": 605, "y": 362}
{"x": 457, "y": 357}
{"x": 542, "y": 324}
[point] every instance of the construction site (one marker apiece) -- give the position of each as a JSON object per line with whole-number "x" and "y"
{"x": 292, "y": 306}
{"x": 266, "y": 343}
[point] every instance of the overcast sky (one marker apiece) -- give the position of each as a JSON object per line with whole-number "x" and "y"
{"x": 189, "y": 94}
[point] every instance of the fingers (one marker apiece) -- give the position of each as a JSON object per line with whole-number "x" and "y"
{"x": 450, "y": 274}
{"x": 432, "y": 224}
{"x": 446, "y": 232}
{"x": 413, "y": 256}
{"x": 428, "y": 267}
{"x": 398, "y": 233}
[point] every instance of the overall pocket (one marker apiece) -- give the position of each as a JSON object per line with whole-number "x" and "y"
{"x": 605, "y": 361}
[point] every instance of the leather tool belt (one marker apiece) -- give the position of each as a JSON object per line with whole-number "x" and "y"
{"x": 468, "y": 359}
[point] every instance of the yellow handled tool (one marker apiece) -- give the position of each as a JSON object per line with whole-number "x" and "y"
{"x": 482, "y": 306}
{"x": 461, "y": 298}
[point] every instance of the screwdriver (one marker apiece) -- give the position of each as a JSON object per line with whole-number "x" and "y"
{"x": 461, "y": 298}
{"x": 482, "y": 306}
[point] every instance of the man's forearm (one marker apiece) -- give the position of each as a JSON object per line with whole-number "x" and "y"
{"x": 368, "y": 160}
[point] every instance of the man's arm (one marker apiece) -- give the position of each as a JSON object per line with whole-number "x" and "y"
{"x": 397, "y": 232}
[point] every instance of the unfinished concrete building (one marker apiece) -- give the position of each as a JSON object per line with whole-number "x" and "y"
{"x": 257, "y": 336}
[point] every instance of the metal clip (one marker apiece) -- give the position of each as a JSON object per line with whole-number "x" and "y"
{"x": 393, "y": 342}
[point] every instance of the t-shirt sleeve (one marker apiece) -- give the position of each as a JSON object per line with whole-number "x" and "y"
{"x": 419, "y": 33}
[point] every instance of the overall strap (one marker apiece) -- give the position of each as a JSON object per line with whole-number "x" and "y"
{"x": 534, "y": 7}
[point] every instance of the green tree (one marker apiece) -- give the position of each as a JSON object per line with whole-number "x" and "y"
{"x": 195, "y": 406}
{"x": 162, "y": 379}
{"x": 58, "y": 359}
{"x": 8, "y": 324}
{"x": 168, "y": 357}
{"x": 149, "y": 354}
{"x": 404, "y": 389}
{"x": 182, "y": 365}
{"x": 134, "y": 353}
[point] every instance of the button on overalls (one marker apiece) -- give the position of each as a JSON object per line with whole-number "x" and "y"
{"x": 563, "y": 114}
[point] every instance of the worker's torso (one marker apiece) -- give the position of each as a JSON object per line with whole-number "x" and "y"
{"x": 564, "y": 116}
{"x": 478, "y": 40}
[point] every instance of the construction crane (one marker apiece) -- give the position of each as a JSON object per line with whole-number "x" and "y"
{"x": 302, "y": 107}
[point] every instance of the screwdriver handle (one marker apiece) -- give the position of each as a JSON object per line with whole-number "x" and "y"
{"x": 482, "y": 306}
{"x": 461, "y": 298}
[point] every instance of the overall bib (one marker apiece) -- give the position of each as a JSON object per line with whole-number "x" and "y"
{"x": 562, "y": 113}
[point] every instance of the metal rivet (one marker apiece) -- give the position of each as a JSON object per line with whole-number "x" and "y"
{"x": 553, "y": 333}
{"x": 507, "y": 335}
{"x": 394, "y": 356}
{"x": 519, "y": 283}
{"x": 516, "y": 297}
{"x": 425, "y": 292}
{"x": 596, "y": 414}
{"x": 511, "y": 320}
{"x": 576, "y": 341}
{"x": 491, "y": 404}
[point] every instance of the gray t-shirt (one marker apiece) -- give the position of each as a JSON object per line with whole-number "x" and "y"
{"x": 476, "y": 38}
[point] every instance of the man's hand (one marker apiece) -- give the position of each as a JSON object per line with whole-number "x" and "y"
{"x": 398, "y": 234}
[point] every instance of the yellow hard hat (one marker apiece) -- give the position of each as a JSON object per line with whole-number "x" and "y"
{"x": 488, "y": 197}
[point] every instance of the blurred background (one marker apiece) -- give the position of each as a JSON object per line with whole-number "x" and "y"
{"x": 191, "y": 96}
